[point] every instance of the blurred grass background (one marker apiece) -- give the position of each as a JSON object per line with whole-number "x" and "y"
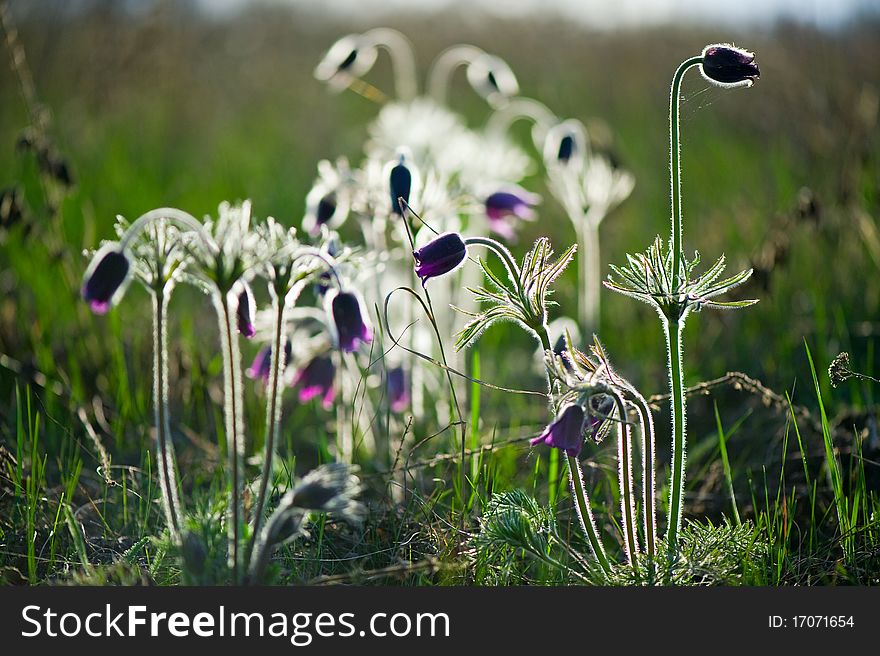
{"x": 168, "y": 107}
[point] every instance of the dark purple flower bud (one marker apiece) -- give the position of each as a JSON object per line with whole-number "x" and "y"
{"x": 398, "y": 389}
{"x": 514, "y": 202}
{"x": 244, "y": 314}
{"x": 261, "y": 367}
{"x": 439, "y": 256}
{"x": 348, "y": 320}
{"x": 316, "y": 379}
{"x": 400, "y": 181}
{"x": 728, "y": 65}
{"x": 566, "y": 432}
{"x": 566, "y": 148}
{"x": 105, "y": 278}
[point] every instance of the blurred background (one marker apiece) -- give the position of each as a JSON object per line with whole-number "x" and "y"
{"x": 186, "y": 104}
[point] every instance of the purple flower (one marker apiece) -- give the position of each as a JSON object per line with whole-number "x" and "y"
{"x": 400, "y": 182}
{"x": 729, "y": 65}
{"x": 439, "y": 256}
{"x": 514, "y": 202}
{"x": 105, "y": 278}
{"x": 398, "y": 389}
{"x": 566, "y": 432}
{"x": 316, "y": 379}
{"x": 261, "y": 367}
{"x": 244, "y": 313}
{"x": 348, "y": 320}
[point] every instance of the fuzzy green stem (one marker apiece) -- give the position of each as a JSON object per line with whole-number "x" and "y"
{"x": 582, "y": 506}
{"x": 273, "y": 416}
{"x": 590, "y": 270}
{"x": 233, "y": 407}
{"x": 167, "y": 471}
{"x": 649, "y": 504}
{"x": 625, "y": 480}
{"x": 673, "y": 333}
{"x": 675, "y": 166}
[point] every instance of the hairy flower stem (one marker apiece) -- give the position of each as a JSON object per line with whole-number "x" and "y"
{"x": 273, "y": 416}
{"x": 590, "y": 270}
{"x": 164, "y": 447}
{"x": 232, "y": 394}
{"x": 675, "y": 166}
{"x": 649, "y": 503}
{"x": 672, "y": 325}
{"x": 673, "y": 331}
{"x": 582, "y": 505}
{"x": 625, "y": 480}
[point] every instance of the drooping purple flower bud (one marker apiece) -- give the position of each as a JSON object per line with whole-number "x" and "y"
{"x": 348, "y": 320}
{"x": 728, "y": 65}
{"x": 398, "y": 389}
{"x": 400, "y": 181}
{"x": 565, "y": 144}
{"x": 566, "y": 432}
{"x": 503, "y": 205}
{"x": 316, "y": 379}
{"x": 244, "y": 314}
{"x": 566, "y": 148}
{"x": 439, "y": 256}
{"x": 105, "y": 279}
{"x": 261, "y": 367}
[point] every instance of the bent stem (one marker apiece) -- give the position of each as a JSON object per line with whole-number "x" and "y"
{"x": 164, "y": 447}
{"x": 672, "y": 331}
{"x": 232, "y": 394}
{"x": 675, "y": 166}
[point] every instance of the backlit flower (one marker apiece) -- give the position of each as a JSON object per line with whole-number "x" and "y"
{"x": 244, "y": 313}
{"x": 507, "y": 204}
{"x": 316, "y": 379}
{"x": 348, "y": 322}
{"x": 727, "y": 65}
{"x": 566, "y": 432}
{"x": 106, "y": 278}
{"x": 398, "y": 389}
{"x": 439, "y": 256}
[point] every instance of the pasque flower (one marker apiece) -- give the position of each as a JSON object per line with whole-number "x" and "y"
{"x": 439, "y": 256}
{"x": 566, "y": 432}
{"x": 348, "y": 322}
{"x": 400, "y": 183}
{"x": 261, "y": 367}
{"x": 244, "y": 313}
{"x": 511, "y": 202}
{"x": 727, "y": 65}
{"x": 105, "y": 278}
{"x": 398, "y": 389}
{"x": 316, "y": 379}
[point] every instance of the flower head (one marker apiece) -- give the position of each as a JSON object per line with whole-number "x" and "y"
{"x": 729, "y": 66}
{"x": 400, "y": 184}
{"x": 347, "y": 59}
{"x": 106, "y": 278}
{"x": 244, "y": 313}
{"x": 439, "y": 256}
{"x": 261, "y": 367}
{"x": 398, "y": 389}
{"x": 566, "y": 432}
{"x": 512, "y": 202}
{"x": 316, "y": 379}
{"x": 348, "y": 323}
{"x": 492, "y": 78}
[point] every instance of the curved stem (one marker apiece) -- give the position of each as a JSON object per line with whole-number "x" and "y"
{"x": 672, "y": 331}
{"x": 402, "y": 59}
{"x": 513, "y": 271}
{"x": 164, "y": 447}
{"x": 185, "y": 219}
{"x": 440, "y": 73}
{"x": 675, "y": 167}
{"x": 518, "y": 109}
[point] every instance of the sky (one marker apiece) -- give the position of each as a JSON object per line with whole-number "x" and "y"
{"x": 603, "y": 14}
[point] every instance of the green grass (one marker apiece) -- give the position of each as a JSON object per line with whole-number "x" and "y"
{"x": 779, "y": 492}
